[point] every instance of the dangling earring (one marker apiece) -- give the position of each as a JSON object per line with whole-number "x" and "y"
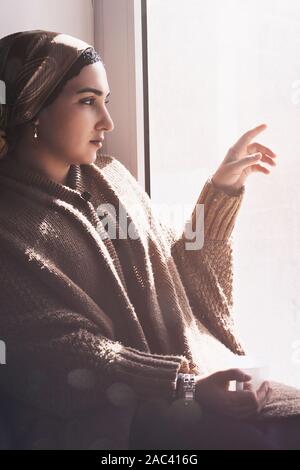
{"x": 35, "y": 131}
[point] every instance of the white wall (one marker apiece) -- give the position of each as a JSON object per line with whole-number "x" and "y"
{"x": 74, "y": 17}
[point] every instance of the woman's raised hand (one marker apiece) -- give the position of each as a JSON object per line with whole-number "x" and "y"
{"x": 242, "y": 159}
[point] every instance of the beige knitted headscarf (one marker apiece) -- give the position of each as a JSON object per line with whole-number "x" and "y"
{"x": 32, "y": 63}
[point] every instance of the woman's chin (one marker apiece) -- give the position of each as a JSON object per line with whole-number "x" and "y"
{"x": 88, "y": 158}
{"x": 92, "y": 157}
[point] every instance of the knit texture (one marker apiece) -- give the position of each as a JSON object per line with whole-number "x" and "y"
{"x": 91, "y": 321}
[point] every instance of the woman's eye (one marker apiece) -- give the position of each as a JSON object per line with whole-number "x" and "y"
{"x": 91, "y": 101}
{"x": 88, "y": 99}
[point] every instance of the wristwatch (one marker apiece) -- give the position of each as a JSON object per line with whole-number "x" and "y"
{"x": 185, "y": 386}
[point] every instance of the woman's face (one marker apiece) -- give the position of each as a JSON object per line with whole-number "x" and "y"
{"x": 67, "y": 126}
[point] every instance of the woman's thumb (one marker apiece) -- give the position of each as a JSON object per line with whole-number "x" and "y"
{"x": 247, "y": 161}
{"x": 233, "y": 374}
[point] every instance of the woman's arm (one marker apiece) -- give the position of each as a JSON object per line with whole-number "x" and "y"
{"x": 207, "y": 273}
{"x": 59, "y": 361}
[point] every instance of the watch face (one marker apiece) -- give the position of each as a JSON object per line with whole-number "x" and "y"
{"x": 186, "y": 386}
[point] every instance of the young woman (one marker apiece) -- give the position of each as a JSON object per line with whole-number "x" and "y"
{"x": 98, "y": 323}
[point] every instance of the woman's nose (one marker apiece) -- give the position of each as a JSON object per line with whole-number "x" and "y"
{"x": 106, "y": 123}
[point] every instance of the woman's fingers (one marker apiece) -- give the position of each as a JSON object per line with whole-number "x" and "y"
{"x": 243, "y": 406}
{"x": 245, "y": 398}
{"x": 251, "y": 162}
{"x": 257, "y": 147}
{"x": 244, "y": 162}
{"x": 267, "y": 159}
{"x": 230, "y": 374}
{"x": 246, "y": 138}
{"x": 248, "y": 402}
{"x": 259, "y": 168}
{"x": 248, "y": 386}
{"x": 269, "y": 395}
{"x": 263, "y": 394}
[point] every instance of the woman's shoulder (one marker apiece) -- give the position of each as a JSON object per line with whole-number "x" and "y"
{"x": 105, "y": 159}
{"x": 112, "y": 167}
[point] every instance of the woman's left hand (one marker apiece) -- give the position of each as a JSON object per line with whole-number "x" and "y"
{"x": 241, "y": 160}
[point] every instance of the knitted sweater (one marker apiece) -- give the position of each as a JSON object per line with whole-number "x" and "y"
{"x": 98, "y": 322}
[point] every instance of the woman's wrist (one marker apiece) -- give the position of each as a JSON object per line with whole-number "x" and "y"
{"x": 229, "y": 190}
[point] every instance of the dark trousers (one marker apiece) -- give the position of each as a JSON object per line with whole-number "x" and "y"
{"x": 158, "y": 425}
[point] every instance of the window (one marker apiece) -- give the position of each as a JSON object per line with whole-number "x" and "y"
{"x": 215, "y": 69}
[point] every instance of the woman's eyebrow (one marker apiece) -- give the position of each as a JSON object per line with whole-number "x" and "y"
{"x": 92, "y": 90}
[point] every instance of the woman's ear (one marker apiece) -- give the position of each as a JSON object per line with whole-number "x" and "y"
{"x": 35, "y": 122}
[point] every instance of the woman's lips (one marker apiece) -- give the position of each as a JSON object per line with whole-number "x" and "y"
{"x": 96, "y": 143}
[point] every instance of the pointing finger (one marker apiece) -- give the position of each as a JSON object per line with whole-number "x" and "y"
{"x": 249, "y": 135}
